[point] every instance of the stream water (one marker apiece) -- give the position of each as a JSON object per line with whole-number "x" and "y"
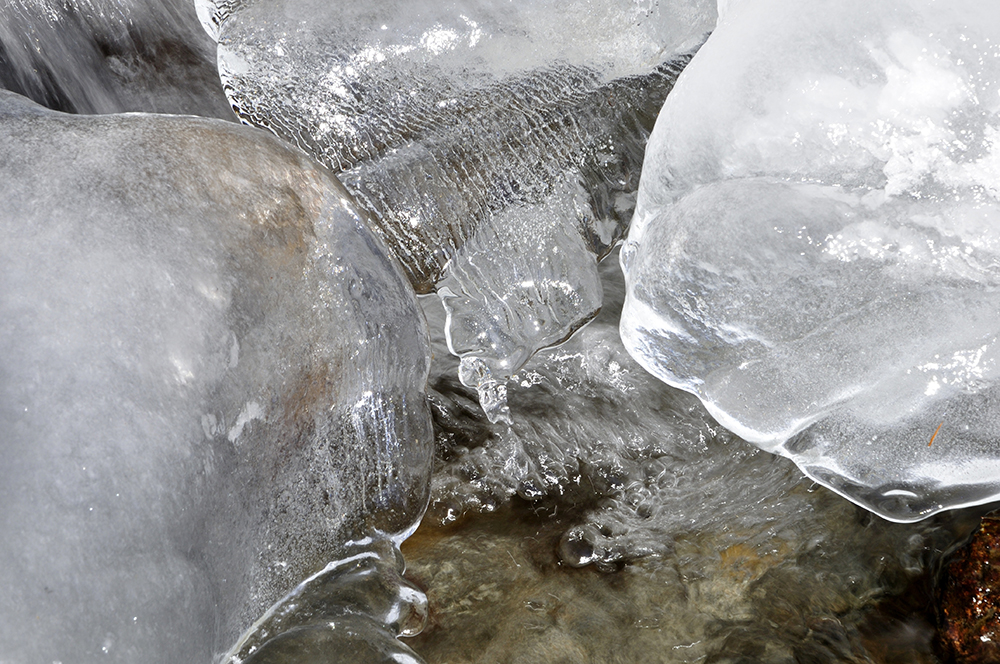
{"x": 615, "y": 521}
{"x": 239, "y": 331}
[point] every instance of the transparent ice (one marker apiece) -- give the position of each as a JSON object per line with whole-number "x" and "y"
{"x": 211, "y": 392}
{"x": 711, "y": 549}
{"x": 240, "y": 492}
{"x": 497, "y": 145}
{"x": 816, "y": 246}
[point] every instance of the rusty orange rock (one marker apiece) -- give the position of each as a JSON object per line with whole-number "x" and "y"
{"x": 969, "y": 598}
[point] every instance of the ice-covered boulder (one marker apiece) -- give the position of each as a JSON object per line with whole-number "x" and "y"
{"x": 816, "y": 247}
{"x": 211, "y": 386}
{"x": 497, "y": 145}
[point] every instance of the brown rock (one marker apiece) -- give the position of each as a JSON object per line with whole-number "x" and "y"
{"x": 969, "y": 598}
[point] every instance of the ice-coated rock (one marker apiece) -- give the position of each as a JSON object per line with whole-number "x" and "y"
{"x": 211, "y": 386}
{"x": 497, "y": 145}
{"x": 110, "y": 56}
{"x": 816, "y": 246}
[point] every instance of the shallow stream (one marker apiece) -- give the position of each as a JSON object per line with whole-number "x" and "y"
{"x": 614, "y": 521}
{"x": 610, "y": 520}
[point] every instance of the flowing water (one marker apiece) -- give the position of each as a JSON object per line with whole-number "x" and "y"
{"x": 615, "y": 521}
{"x": 608, "y": 519}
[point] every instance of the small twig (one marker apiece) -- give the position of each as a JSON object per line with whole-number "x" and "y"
{"x": 935, "y": 434}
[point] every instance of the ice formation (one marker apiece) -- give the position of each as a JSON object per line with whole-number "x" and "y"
{"x": 110, "y": 56}
{"x": 717, "y": 551}
{"x": 633, "y": 460}
{"x": 211, "y": 386}
{"x": 497, "y": 145}
{"x": 816, "y": 246}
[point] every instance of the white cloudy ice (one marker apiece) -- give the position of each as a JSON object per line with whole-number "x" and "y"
{"x": 815, "y": 249}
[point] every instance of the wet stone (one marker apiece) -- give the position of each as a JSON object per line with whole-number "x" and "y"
{"x": 969, "y": 603}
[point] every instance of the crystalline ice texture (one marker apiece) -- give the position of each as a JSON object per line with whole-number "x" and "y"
{"x": 816, "y": 247}
{"x": 211, "y": 383}
{"x": 496, "y": 144}
{"x": 109, "y": 56}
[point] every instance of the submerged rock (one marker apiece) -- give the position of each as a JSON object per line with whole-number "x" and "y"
{"x": 212, "y": 387}
{"x": 969, "y": 598}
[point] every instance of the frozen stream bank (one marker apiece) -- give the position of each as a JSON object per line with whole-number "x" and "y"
{"x": 216, "y": 417}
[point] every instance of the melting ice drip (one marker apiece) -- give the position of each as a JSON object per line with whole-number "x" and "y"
{"x": 498, "y": 165}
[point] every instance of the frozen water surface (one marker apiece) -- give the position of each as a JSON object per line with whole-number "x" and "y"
{"x": 815, "y": 247}
{"x": 211, "y": 385}
{"x": 265, "y": 445}
{"x": 496, "y": 144}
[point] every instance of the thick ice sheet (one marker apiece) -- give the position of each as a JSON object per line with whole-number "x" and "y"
{"x": 815, "y": 247}
{"x": 211, "y": 382}
{"x": 496, "y": 144}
